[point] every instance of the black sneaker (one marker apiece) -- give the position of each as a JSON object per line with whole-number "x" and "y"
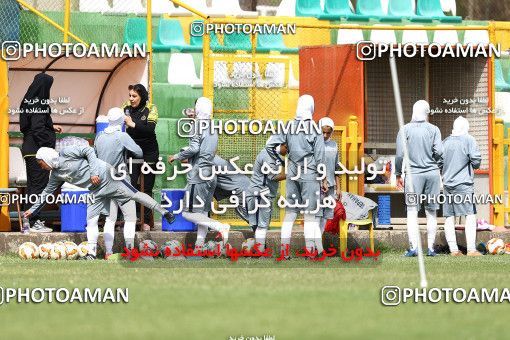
{"x": 169, "y": 217}
{"x": 88, "y": 257}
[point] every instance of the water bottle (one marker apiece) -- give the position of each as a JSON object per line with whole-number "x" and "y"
{"x": 25, "y": 229}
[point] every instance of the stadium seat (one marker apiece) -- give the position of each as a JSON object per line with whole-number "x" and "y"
{"x": 94, "y": 6}
{"x": 503, "y": 106}
{"x": 135, "y": 31}
{"x": 231, "y": 7}
{"x": 383, "y": 36}
{"x": 181, "y": 70}
{"x": 344, "y": 229}
{"x": 160, "y": 7}
{"x": 406, "y": 10}
{"x": 308, "y": 8}
{"x": 414, "y": 36}
{"x": 501, "y": 84}
{"x": 340, "y": 9}
{"x": 449, "y": 6}
{"x": 476, "y": 37}
{"x": 17, "y": 169}
{"x": 373, "y": 9}
{"x": 171, "y": 37}
{"x": 432, "y": 9}
{"x": 349, "y": 36}
{"x": 274, "y": 76}
{"x": 128, "y": 7}
{"x": 221, "y": 77}
{"x": 444, "y": 37}
{"x": 237, "y": 42}
{"x": 287, "y": 8}
{"x": 273, "y": 42}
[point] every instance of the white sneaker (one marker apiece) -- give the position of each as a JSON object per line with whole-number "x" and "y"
{"x": 39, "y": 227}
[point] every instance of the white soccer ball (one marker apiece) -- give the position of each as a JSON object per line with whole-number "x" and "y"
{"x": 45, "y": 250}
{"x": 28, "y": 250}
{"x": 148, "y": 246}
{"x": 496, "y": 246}
{"x": 83, "y": 249}
{"x": 58, "y": 252}
{"x": 248, "y": 244}
{"x": 168, "y": 249}
{"x": 72, "y": 251}
{"x": 213, "y": 247}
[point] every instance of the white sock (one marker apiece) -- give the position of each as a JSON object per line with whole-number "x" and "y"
{"x": 471, "y": 232}
{"x": 431, "y": 228}
{"x": 288, "y": 223}
{"x": 318, "y": 234}
{"x": 412, "y": 228}
{"x": 322, "y": 225}
{"x": 449, "y": 233}
{"x": 108, "y": 235}
{"x": 313, "y": 237}
{"x": 129, "y": 234}
{"x": 260, "y": 238}
{"x": 92, "y": 235}
{"x": 201, "y": 234}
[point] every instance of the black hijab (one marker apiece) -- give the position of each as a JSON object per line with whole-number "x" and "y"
{"x": 142, "y": 92}
{"x": 39, "y": 89}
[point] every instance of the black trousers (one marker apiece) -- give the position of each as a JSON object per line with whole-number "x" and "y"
{"x": 37, "y": 179}
{"x": 148, "y": 185}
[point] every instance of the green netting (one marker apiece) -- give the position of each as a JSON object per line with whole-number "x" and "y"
{"x": 172, "y": 99}
{"x": 231, "y": 99}
{"x": 168, "y": 139}
{"x": 33, "y": 29}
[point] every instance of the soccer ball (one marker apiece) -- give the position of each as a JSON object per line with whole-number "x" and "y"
{"x": 58, "y": 252}
{"x": 72, "y": 251}
{"x": 148, "y": 246}
{"x": 83, "y": 249}
{"x": 213, "y": 247}
{"x": 248, "y": 244}
{"x": 168, "y": 248}
{"x": 28, "y": 250}
{"x": 45, "y": 250}
{"x": 496, "y": 246}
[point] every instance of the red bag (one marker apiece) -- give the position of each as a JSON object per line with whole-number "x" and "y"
{"x": 338, "y": 214}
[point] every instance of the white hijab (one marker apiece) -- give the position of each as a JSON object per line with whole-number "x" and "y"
{"x": 305, "y": 107}
{"x": 421, "y": 110}
{"x": 203, "y": 108}
{"x": 49, "y": 156}
{"x": 115, "y": 120}
{"x": 460, "y": 126}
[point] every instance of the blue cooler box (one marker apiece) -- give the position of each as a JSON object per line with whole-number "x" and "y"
{"x": 384, "y": 209}
{"x": 73, "y": 216}
{"x": 180, "y": 223}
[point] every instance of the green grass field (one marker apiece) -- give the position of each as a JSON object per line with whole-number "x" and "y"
{"x": 190, "y": 301}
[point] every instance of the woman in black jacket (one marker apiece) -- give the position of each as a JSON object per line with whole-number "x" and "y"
{"x": 141, "y": 119}
{"x": 38, "y": 131}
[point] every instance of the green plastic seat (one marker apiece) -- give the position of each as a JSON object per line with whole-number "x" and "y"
{"x": 432, "y": 9}
{"x": 170, "y": 37}
{"x": 373, "y": 9}
{"x": 308, "y": 8}
{"x": 273, "y": 42}
{"x": 340, "y": 9}
{"x": 135, "y": 31}
{"x": 501, "y": 84}
{"x": 237, "y": 42}
{"x": 404, "y": 9}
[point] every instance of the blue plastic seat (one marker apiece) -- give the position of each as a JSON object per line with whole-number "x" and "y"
{"x": 170, "y": 37}
{"x": 273, "y": 42}
{"x": 340, "y": 9}
{"x": 135, "y": 31}
{"x": 308, "y": 8}
{"x": 373, "y": 9}
{"x": 501, "y": 84}
{"x": 432, "y": 9}
{"x": 404, "y": 9}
